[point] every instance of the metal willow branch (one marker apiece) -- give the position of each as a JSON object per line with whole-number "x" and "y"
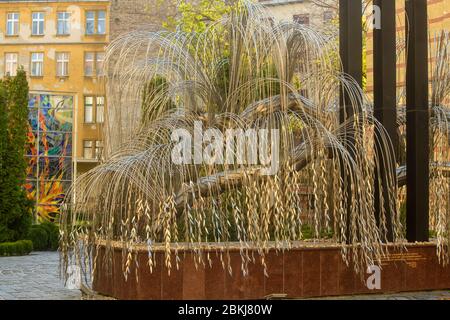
{"x": 243, "y": 72}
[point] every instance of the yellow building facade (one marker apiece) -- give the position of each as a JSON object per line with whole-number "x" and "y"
{"x": 438, "y": 21}
{"x": 60, "y": 45}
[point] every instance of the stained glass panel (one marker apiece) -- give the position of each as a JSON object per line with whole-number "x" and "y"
{"x": 49, "y": 154}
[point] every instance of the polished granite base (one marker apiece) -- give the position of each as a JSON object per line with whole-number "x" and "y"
{"x": 303, "y": 272}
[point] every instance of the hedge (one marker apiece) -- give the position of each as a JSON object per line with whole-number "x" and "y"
{"x": 45, "y": 236}
{"x": 18, "y": 248}
{"x": 53, "y": 234}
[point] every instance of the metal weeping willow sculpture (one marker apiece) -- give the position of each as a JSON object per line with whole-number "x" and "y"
{"x": 244, "y": 72}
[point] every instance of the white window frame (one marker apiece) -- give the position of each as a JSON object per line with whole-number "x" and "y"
{"x": 12, "y": 23}
{"x": 38, "y": 19}
{"x": 64, "y": 18}
{"x": 62, "y": 58}
{"x": 37, "y": 64}
{"x": 11, "y": 61}
{"x": 98, "y": 23}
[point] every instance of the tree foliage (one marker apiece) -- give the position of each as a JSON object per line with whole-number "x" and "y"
{"x": 15, "y": 208}
{"x": 196, "y": 16}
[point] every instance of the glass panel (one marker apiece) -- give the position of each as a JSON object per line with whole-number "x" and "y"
{"x": 52, "y": 168}
{"x": 33, "y": 119}
{"x": 99, "y": 63}
{"x": 55, "y": 144}
{"x": 54, "y": 114}
{"x": 62, "y": 64}
{"x": 32, "y": 168}
{"x": 89, "y": 63}
{"x": 100, "y": 109}
{"x": 11, "y": 63}
{"x": 88, "y": 109}
{"x": 90, "y": 22}
{"x": 87, "y": 149}
{"x": 63, "y": 26}
{"x": 30, "y": 188}
{"x": 37, "y": 23}
{"x": 37, "y": 63}
{"x": 12, "y": 24}
{"x": 51, "y": 194}
{"x": 98, "y": 149}
{"x": 301, "y": 18}
{"x": 101, "y": 26}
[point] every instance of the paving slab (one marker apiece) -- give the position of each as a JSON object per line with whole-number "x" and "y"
{"x": 33, "y": 277}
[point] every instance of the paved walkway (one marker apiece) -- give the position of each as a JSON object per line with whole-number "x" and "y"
{"x": 36, "y": 277}
{"x": 33, "y": 277}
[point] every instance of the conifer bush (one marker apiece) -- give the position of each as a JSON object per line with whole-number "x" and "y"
{"x": 15, "y": 207}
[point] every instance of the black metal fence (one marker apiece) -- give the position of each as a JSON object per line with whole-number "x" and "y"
{"x": 417, "y": 126}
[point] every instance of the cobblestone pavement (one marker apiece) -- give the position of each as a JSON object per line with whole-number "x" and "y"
{"x": 33, "y": 277}
{"x": 36, "y": 277}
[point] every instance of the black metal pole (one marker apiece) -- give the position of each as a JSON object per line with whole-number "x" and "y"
{"x": 417, "y": 121}
{"x": 384, "y": 62}
{"x": 350, "y": 49}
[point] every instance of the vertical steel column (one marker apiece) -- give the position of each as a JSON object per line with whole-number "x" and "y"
{"x": 417, "y": 121}
{"x": 350, "y": 49}
{"x": 384, "y": 62}
{"x": 350, "y": 46}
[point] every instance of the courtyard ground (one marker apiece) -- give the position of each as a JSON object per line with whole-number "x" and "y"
{"x": 33, "y": 277}
{"x": 36, "y": 277}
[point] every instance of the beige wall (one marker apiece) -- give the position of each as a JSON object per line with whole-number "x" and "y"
{"x": 285, "y": 10}
{"x": 128, "y": 15}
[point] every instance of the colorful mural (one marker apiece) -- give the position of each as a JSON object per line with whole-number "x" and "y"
{"x": 49, "y": 152}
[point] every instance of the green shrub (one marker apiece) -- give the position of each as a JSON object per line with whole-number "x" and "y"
{"x": 15, "y": 208}
{"x": 18, "y": 248}
{"x": 53, "y": 234}
{"x": 45, "y": 236}
{"x": 39, "y": 237}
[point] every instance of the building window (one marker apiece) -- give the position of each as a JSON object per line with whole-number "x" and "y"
{"x": 37, "y": 28}
{"x": 62, "y": 64}
{"x": 88, "y": 109}
{"x": 99, "y": 63}
{"x": 98, "y": 149}
{"x": 301, "y": 18}
{"x": 93, "y": 63}
{"x": 94, "y": 108}
{"x": 89, "y": 58}
{"x": 100, "y": 109}
{"x": 95, "y": 22}
{"x": 101, "y": 22}
{"x": 88, "y": 146}
{"x": 328, "y": 16}
{"x": 63, "y": 24}
{"x": 12, "y": 24}
{"x": 92, "y": 149}
{"x": 90, "y": 22}
{"x": 37, "y": 64}
{"x": 11, "y": 63}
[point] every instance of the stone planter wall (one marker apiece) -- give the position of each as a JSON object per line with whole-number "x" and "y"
{"x": 298, "y": 273}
